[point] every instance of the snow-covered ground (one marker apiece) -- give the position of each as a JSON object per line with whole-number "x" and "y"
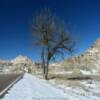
{"x": 86, "y": 90}
{"x": 32, "y": 88}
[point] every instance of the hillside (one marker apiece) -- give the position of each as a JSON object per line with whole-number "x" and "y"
{"x": 19, "y": 64}
{"x": 86, "y": 63}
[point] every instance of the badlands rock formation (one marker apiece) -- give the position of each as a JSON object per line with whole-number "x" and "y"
{"x": 88, "y": 62}
{"x": 19, "y": 64}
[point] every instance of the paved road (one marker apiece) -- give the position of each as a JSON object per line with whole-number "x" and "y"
{"x": 7, "y": 79}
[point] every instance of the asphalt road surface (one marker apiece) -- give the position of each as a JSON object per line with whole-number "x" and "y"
{"x": 7, "y": 79}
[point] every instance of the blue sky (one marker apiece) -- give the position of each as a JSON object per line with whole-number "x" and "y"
{"x": 83, "y": 16}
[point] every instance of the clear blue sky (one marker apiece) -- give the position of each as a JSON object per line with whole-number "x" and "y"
{"x": 15, "y": 16}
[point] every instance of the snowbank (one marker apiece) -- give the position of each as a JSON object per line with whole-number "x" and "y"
{"x": 32, "y": 88}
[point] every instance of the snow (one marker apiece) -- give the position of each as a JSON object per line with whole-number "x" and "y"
{"x": 85, "y": 72}
{"x": 78, "y": 93}
{"x": 94, "y": 71}
{"x": 32, "y": 88}
{"x": 84, "y": 91}
{"x": 92, "y": 86}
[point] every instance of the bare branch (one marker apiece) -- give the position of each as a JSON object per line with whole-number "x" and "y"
{"x": 51, "y": 36}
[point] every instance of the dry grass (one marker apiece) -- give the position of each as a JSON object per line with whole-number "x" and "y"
{"x": 68, "y": 82}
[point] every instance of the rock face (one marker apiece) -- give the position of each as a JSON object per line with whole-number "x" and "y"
{"x": 21, "y": 59}
{"x": 88, "y": 61}
{"x": 94, "y": 50}
{"x": 19, "y": 64}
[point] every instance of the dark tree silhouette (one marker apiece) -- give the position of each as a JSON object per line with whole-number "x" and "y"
{"x": 52, "y": 38}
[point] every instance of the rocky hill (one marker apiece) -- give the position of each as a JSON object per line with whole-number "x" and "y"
{"x": 21, "y": 59}
{"x": 86, "y": 63}
{"x": 19, "y": 64}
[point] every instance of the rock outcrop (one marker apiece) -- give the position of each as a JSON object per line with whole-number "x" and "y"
{"x": 19, "y": 64}
{"x": 88, "y": 61}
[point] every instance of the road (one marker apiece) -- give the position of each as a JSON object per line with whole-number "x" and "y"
{"x": 6, "y": 80}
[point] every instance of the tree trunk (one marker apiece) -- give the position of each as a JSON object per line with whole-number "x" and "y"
{"x": 43, "y": 63}
{"x": 46, "y": 73}
{"x": 46, "y": 70}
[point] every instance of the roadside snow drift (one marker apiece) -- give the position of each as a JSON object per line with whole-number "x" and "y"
{"x": 32, "y": 88}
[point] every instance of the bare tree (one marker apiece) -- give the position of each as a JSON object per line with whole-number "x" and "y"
{"x": 51, "y": 37}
